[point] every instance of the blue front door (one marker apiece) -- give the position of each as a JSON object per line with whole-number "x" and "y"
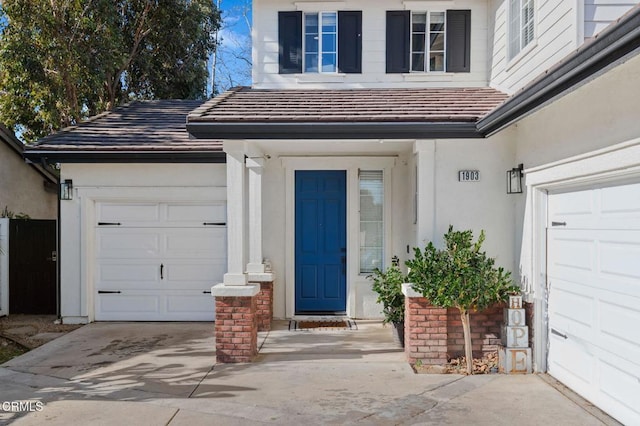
{"x": 321, "y": 243}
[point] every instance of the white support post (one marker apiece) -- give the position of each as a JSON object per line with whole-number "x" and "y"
{"x": 235, "y": 219}
{"x": 255, "y": 166}
{"x": 425, "y": 180}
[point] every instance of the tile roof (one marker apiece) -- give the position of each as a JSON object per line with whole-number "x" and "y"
{"x": 158, "y": 125}
{"x": 246, "y": 105}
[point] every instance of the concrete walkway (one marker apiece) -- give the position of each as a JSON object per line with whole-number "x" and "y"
{"x": 164, "y": 373}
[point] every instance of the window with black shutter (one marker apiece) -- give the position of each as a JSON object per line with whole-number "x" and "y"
{"x": 428, "y": 41}
{"x": 323, "y": 42}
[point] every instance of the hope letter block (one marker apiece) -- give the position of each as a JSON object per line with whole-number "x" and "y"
{"x": 515, "y": 336}
{"x": 514, "y": 360}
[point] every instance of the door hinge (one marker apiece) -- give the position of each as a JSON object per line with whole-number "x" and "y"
{"x": 109, "y": 224}
{"x": 109, "y": 292}
{"x": 557, "y": 333}
{"x": 558, "y": 223}
{"x": 214, "y": 223}
{"x": 206, "y": 292}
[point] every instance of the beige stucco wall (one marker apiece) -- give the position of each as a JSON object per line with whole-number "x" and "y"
{"x": 22, "y": 187}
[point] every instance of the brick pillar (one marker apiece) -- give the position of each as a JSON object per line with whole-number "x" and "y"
{"x": 265, "y": 306}
{"x": 425, "y": 326}
{"x": 236, "y": 329}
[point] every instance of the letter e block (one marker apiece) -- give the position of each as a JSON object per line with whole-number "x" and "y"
{"x": 514, "y": 360}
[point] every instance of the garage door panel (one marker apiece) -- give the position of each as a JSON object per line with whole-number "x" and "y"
{"x": 620, "y": 332}
{"x": 120, "y": 274}
{"x": 129, "y": 213}
{"x": 125, "y": 244}
{"x": 210, "y": 243}
{"x": 192, "y": 275}
{"x": 196, "y": 303}
{"x": 572, "y": 362}
{"x": 621, "y": 257}
{"x": 620, "y": 202}
{"x": 189, "y": 214}
{"x": 620, "y": 386}
{"x": 113, "y": 305}
{"x": 573, "y": 308}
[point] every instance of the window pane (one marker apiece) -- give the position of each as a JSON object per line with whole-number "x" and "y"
{"x": 371, "y": 220}
{"x": 311, "y": 23}
{"x": 437, "y": 41}
{"x": 329, "y": 62}
{"x": 436, "y": 61}
{"x": 370, "y": 259}
{"x": 311, "y": 62}
{"x": 419, "y": 22}
{"x": 437, "y": 21}
{"x": 311, "y": 43}
{"x": 417, "y": 62}
{"x": 417, "y": 43}
{"x": 329, "y": 20}
{"x": 514, "y": 28}
{"x": 328, "y": 43}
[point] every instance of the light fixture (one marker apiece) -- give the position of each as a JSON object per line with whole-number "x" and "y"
{"x": 514, "y": 180}
{"x": 66, "y": 189}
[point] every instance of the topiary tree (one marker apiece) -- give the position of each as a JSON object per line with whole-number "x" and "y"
{"x": 460, "y": 276}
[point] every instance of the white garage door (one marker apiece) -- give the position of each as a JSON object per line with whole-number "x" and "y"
{"x": 593, "y": 269}
{"x": 158, "y": 261}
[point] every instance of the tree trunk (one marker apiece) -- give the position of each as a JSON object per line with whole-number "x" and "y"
{"x": 468, "y": 348}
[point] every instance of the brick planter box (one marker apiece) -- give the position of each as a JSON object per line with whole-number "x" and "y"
{"x": 434, "y": 335}
{"x": 236, "y": 329}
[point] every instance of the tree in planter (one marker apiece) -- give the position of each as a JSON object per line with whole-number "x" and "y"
{"x": 388, "y": 285}
{"x": 460, "y": 276}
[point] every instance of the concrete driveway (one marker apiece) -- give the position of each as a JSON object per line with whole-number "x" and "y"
{"x": 164, "y": 373}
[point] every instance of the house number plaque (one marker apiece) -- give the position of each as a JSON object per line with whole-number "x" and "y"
{"x": 468, "y": 175}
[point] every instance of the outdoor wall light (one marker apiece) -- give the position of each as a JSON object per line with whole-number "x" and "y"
{"x": 66, "y": 189}
{"x": 514, "y": 180}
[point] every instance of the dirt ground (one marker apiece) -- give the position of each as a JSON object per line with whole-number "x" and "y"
{"x": 21, "y": 333}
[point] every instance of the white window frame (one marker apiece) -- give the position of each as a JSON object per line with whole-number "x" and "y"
{"x": 304, "y": 42}
{"x": 427, "y": 47}
{"x": 522, "y": 25}
{"x": 383, "y": 220}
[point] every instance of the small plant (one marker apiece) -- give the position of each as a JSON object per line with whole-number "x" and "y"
{"x": 460, "y": 276}
{"x": 388, "y": 285}
{"x": 6, "y": 213}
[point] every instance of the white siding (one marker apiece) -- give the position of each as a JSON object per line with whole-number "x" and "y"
{"x": 265, "y": 46}
{"x": 556, "y": 36}
{"x": 123, "y": 183}
{"x": 598, "y": 14}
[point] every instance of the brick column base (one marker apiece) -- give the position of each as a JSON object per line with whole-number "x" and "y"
{"x": 265, "y": 306}
{"x": 425, "y": 337}
{"x": 236, "y": 329}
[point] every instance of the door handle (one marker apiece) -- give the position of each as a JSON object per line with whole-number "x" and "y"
{"x": 343, "y": 262}
{"x": 161, "y": 271}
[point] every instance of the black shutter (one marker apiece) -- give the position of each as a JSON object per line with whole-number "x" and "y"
{"x": 458, "y": 40}
{"x": 350, "y": 41}
{"x": 398, "y": 40}
{"x": 290, "y": 41}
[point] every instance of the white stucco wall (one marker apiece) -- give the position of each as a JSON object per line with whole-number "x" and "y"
{"x": 22, "y": 187}
{"x": 265, "y": 46}
{"x": 556, "y": 35}
{"x": 122, "y": 182}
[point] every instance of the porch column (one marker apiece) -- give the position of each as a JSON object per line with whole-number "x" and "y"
{"x": 236, "y": 324}
{"x": 256, "y": 270}
{"x": 255, "y": 166}
{"x": 235, "y": 219}
{"x": 424, "y": 151}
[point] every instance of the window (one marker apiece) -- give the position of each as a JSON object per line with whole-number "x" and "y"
{"x": 322, "y": 42}
{"x": 521, "y": 25}
{"x": 428, "y": 41}
{"x": 427, "y": 56}
{"x": 371, "y": 220}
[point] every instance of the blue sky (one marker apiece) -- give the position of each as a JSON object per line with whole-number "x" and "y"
{"x": 235, "y": 46}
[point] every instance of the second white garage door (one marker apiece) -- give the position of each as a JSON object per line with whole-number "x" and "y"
{"x": 158, "y": 261}
{"x": 593, "y": 269}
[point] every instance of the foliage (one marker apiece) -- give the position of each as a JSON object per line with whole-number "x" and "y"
{"x": 62, "y": 61}
{"x": 6, "y": 213}
{"x": 460, "y": 276}
{"x": 388, "y": 285}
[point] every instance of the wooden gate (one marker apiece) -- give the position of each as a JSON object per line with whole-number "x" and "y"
{"x": 32, "y": 266}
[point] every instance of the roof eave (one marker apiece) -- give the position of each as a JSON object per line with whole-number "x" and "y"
{"x": 132, "y": 156}
{"x": 612, "y": 46}
{"x": 333, "y": 130}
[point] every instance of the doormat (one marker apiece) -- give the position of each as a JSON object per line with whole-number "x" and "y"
{"x": 327, "y": 325}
